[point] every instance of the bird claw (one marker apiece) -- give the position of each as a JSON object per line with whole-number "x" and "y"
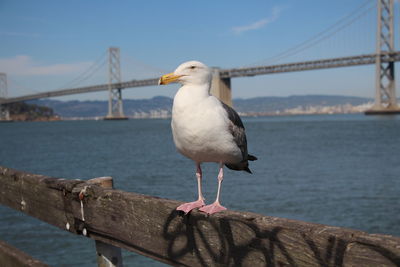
{"x": 187, "y": 207}
{"x": 213, "y": 208}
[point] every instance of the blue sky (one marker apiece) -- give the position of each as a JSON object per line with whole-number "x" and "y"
{"x": 47, "y": 44}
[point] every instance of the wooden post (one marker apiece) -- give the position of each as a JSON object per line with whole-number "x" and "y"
{"x": 107, "y": 255}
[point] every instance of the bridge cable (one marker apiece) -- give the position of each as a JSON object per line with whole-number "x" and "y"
{"x": 96, "y": 65}
{"x": 321, "y": 36}
{"x": 93, "y": 71}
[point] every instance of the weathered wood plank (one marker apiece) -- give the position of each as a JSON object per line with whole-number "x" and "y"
{"x": 12, "y": 257}
{"x": 151, "y": 226}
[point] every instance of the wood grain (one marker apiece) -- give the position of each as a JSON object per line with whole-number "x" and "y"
{"x": 151, "y": 226}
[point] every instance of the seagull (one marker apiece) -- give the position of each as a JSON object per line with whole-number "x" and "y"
{"x": 205, "y": 129}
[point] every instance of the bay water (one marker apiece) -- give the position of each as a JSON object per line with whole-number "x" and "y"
{"x": 340, "y": 170}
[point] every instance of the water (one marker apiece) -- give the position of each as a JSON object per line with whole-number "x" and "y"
{"x": 341, "y": 170}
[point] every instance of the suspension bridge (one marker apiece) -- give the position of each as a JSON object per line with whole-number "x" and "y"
{"x": 384, "y": 58}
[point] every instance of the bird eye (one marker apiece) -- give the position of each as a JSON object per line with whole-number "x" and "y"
{"x": 192, "y": 67}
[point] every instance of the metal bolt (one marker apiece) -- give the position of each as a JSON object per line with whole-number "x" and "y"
{"x": 23, "y": 205}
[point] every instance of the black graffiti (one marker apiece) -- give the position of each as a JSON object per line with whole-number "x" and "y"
{"x": 214, "y": 242}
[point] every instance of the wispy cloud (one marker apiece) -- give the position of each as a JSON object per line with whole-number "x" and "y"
{"x": 275, "y": 14}
{"x": 25, "y": 65}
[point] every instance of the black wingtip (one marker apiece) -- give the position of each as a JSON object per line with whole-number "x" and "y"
{"x": 247, "y": 170}
{"x": 251, "y": 158}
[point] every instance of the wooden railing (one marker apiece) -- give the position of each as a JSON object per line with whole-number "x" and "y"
{"x": 12, "y": 257}
{"x": 152, "y": 227}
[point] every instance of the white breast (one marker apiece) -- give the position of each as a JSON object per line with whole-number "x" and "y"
{"x": 200, "y": 129}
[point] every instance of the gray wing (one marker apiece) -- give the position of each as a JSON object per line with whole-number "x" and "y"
{"x": 237, "y": 130}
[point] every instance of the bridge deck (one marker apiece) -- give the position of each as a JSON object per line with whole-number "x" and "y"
{"x": 224, "y": 73}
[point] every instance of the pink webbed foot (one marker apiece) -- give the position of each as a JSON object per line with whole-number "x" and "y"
{"x": 213, "y": 208}
{"x": 187, "y": 207}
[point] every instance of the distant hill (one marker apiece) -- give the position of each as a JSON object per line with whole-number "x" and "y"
{"x": 161, "y": 106}
{"x": 21, "y": 111}
{"x": 90, "y": 109}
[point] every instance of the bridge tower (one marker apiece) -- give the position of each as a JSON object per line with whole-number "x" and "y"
{"x": 4, "y": 111}
{"x": 385, "y": 86}
{"x": 115, "y": 110}
{"x": 221, "y": 87}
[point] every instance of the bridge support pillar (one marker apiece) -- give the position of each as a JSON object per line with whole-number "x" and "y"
{"x": 385, "y": 94}
{"x": 221, "y": 88}
{"x": 115, "y": 109}
{"x": 4, "y": 110}
{"x": 4, "y": 113}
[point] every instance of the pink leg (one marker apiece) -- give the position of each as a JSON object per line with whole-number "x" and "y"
{"x": 216, "y": 206}
{"x": 187, "y": 207}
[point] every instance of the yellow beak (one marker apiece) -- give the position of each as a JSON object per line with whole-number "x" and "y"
{"x": 168, "y": 78}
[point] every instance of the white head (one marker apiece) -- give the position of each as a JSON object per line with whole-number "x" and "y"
{"x": 189, "y": 73}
